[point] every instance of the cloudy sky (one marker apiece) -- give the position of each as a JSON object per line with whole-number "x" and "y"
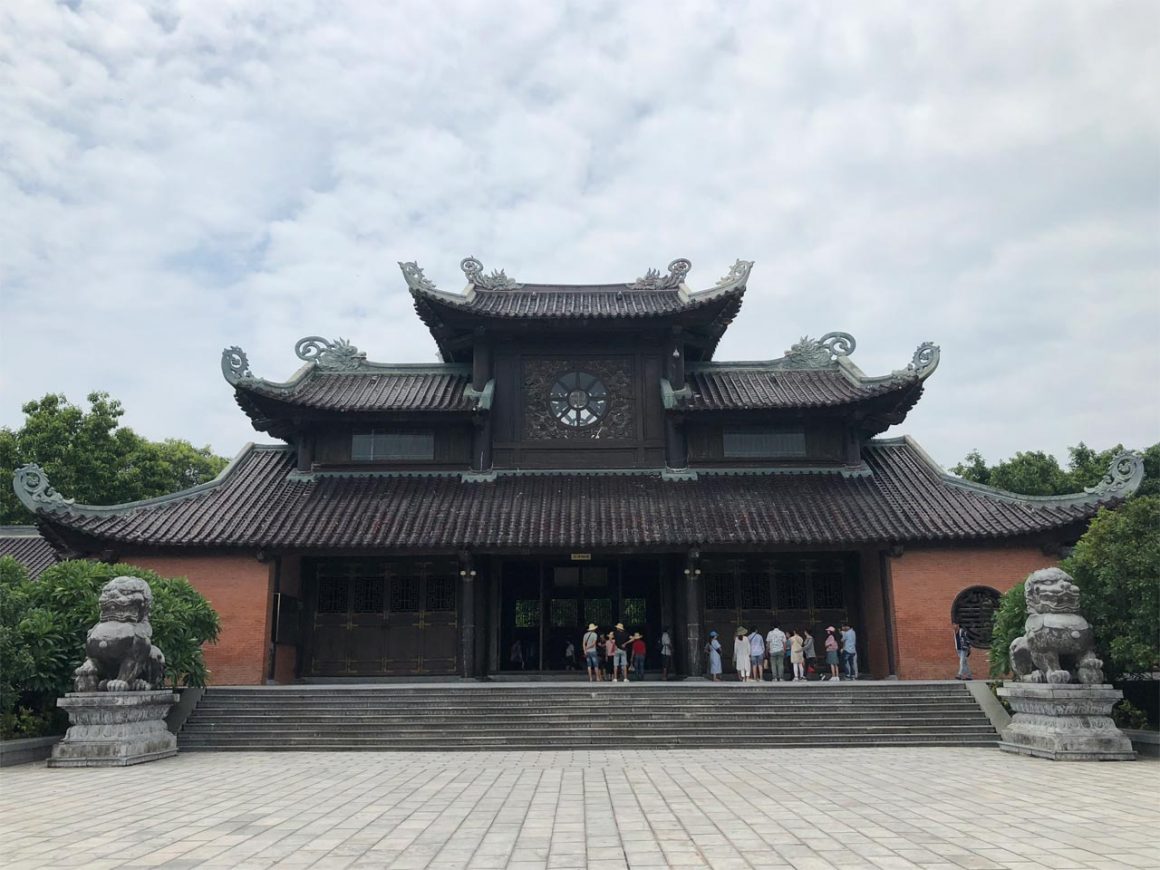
{"x": 177, "y": 177}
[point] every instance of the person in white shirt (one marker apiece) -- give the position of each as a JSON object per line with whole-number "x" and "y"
{"x": 775, "y": 644}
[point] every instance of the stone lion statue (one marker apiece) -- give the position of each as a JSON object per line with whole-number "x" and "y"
{"x": 1057, "y": 645}
{"x": 121, "y": 654}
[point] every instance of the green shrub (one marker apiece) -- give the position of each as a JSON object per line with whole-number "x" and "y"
{"x": 1127, "y": 715}
{"x": 43, "y": 624}
{"x": 1008, "y": 624}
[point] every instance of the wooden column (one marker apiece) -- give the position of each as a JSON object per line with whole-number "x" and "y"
{"x": 693, "y": 642}
{"x": 467, "y": 613}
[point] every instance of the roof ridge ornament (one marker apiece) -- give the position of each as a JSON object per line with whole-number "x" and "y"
{"x": 925, "y": 360}
{"x": 235, "y": 365}
{"x": 416, "y": 280}
{"x": 34, "y": 491}
{"x": 738, "y": 274}
{"x": 811, "y": 353}
{"x": 337, "y": 356}
{"x": 497, "y": 280}
{"x": 1123, "y": 477}
{"x": 654, "y": 280}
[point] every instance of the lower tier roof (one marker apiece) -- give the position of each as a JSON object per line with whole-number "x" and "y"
{"x": 898, "y": 495}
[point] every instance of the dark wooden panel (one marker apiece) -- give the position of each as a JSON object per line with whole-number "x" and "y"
{"x": 452, "y": 447}
{"x": 652, "y": 409}
{"x": 824, "y": 444}
{"x": 577, "y": 457}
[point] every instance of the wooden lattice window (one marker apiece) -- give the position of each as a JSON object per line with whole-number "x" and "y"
{"x": 829, "y": 593}
{"x": 720, "y": 592}
{"x": 755, "y": 592}
{"x": 598, "y": 610}
{"x": 404, "y": 594}
{"x": 634, "y": 611}
{"x": 791, "y": 593}
{"x": 368, "y": 595}
{"x": 441, "y": 593}
{"x": 564, "y": 612}
{"x": 974, "y": 609}
{"x": 333, "y": 595}
{"x": 528, "y": 613}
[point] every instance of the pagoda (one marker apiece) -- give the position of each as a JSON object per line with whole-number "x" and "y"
{"x": 579, "y": 456}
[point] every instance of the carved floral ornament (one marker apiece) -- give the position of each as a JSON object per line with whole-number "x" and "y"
{"x": 738, "y": 274}
{"x": 810, "y": 353}
{"x": 654, "y": 280}
{"x": 33, "y": 489}
{"x": 416, "y": 280}
{"x": 925, "y": 359}
{"x": 235, "y": 365}
{"x": 497, "y": 280}
{"x": 1123, "y": 477}
{"x": 336, "y": 356}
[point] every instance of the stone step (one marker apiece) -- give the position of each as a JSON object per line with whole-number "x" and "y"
{"x": 651, "y": 742}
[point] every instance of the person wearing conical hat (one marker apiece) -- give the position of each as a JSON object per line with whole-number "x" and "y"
{"x": 591, "y": 656}
{"x": 741, "y": 654}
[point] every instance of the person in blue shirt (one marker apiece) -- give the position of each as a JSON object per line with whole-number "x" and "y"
{"x": 849, "y": 650}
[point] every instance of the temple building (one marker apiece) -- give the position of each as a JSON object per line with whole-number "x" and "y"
{"x": 578, "y": 456}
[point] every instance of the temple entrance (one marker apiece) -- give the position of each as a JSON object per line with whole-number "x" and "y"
{"x": 547, "y": 603}
{"x": 374, "y": 617}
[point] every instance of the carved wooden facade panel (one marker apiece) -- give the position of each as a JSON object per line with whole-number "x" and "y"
{"x": 616, "y": 409}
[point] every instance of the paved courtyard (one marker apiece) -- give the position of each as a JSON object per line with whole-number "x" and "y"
{"x": 818, "y": 808}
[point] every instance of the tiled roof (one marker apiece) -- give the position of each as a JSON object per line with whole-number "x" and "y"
{"x": 26, "y": 546}
{"x": 722, "y": 388}
{"x": 591, "y": 301}
{"x": 898, "y": 496}
{"x": 373, "y": 390}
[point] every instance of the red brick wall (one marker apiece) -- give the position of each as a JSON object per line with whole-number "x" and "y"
{"x": 238, "y": 587}
{"x": 926, "y": 583}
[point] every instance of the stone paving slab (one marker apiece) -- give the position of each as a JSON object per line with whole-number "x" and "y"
{"x": 831, "y": 809}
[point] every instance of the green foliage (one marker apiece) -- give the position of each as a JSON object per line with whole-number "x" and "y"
{"x": 90, "y": 457}
{"x": 43, "y": 625}
{"x": 1116, "y": 565}
{"x": 1008, "y": 625}
{"x": 1127, "y": 715}
{"x": 1039, "y": 473}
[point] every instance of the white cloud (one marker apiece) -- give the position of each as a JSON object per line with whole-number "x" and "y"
{"x": 176, "y": 178}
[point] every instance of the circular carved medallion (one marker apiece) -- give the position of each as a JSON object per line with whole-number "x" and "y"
{"x": 578, "y": 399}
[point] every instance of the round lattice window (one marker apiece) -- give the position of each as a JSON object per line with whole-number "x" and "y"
{"x": 973, "y": 610}
{"x": 578, "y": 399}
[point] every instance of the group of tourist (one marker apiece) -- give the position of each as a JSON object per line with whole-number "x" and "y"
{"x": 796, "y": 649}
{"x": 607, "y": 656}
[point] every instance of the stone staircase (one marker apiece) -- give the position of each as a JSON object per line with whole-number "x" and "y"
{"x": 584, "y": 716}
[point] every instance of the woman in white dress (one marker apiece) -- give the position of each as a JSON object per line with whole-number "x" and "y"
{"x": 741, "y": 655}
{"x": 713, "y": 647}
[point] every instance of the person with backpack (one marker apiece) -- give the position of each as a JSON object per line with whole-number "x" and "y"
{"x": 591, "y": 656}
{"x": 963, "y": 648}
{"x": 756, "y": 657}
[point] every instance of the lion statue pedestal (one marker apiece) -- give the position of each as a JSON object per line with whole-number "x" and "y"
{"x": 1061, "y": 704}
{"x": 117, "y": 712}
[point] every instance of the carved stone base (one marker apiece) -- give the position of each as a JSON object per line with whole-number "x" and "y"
{"x": 115, "y": 729}
{"x": 1064, "y": 722}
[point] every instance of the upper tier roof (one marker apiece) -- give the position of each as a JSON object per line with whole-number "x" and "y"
{"x": 813, "y": 374}
{"x": 26, "y": 545}
{"x": 898, "y": 495}
{"x": 497, "y": 300}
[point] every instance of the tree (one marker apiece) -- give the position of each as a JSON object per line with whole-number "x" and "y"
{"x": 43, "y": 624}
{"x": 90, "y": 457}
{"x": 1039, "y": 473}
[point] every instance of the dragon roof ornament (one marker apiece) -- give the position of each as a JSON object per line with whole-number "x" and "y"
{"x": 738, "y": 274}
{"x": 810, "y": 353}
{"x": 235, "y": 365}
{"x": 925, "y": 360}
{"x": 335, "y": 356}
{"x": 1123, "y": 477}
{"x": 416, "y": 280}
{"x": 654, "y": 280}
{"x": 34, "y": 491}
{"x": 497, "y": 280}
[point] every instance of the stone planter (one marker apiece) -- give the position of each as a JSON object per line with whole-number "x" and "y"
{"x": 115, "y": 729}
{"x": 1064, "y": 722}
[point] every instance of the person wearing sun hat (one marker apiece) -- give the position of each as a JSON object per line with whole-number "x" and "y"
{"x": 591, "y": 656}
{"x": 620, "y": 657}
{"x": 741, "y": 654}
{"x": 831, "y": 653}
{"x": 713, "y": 648}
